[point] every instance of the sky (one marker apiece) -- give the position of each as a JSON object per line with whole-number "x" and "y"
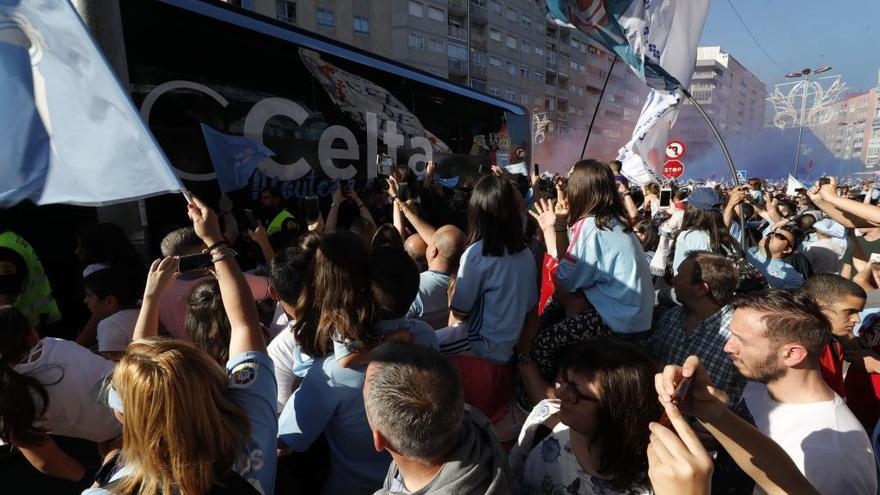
{"x": 800, "y": 33}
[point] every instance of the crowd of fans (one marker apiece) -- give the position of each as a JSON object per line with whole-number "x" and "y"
{"x": 511, "y": 334}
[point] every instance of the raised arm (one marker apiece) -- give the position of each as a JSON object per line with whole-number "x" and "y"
{"x": 162, "y": 274}
{"x": 758, "y": 456}
{"x": 237, "y": 298}
{"x": 869, "y": 213}
{"x": 424, "y": 229}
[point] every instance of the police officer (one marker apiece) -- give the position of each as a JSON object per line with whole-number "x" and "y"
{"x": 23, "y": 282}
{"x": 277, "y": 218}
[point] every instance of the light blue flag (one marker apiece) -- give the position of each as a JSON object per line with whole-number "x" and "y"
{"x": 448, "y": 183}
{"x": 234, "y": 157}
{"x": 70, "y": 133}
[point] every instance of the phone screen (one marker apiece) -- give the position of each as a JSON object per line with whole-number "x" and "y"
{"x": 251, "y": 219}
{"x": 665, "y": 197}
{"x": 537, "y": 169}
{"x": 194, "y": 262}
{"x": 403, "y": 191}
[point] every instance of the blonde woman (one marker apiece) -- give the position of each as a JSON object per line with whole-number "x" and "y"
{"x": 189, "y": 427}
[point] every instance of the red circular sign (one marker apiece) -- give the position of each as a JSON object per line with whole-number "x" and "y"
{"x": 673, "y": 169}
{"x": 675, "y": 150}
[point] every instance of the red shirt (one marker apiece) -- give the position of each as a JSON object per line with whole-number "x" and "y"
{"x": 831, "y": 365}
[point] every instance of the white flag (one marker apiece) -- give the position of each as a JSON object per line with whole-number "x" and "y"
{"x": 793, "y": 186}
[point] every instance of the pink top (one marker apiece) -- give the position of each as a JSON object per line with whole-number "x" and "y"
{"x": 172, "y": 307}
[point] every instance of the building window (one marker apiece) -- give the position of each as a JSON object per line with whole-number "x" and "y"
{"x": 511, "y": 14}
{"x": 511, "y": 68}
{"x": 436, "y": 46}
{"x": 526, "y": 21}
{"x": 524, "y": 99}
{"x": 285, "y": 11}
{"x": 495, "y": 7}
{"x": 494, "y": 91}
{"x": 539, "y": 51}
{"x": 494, "y": 34}
{"x": 416, "y": 9}
{"x": 325, "y": 17}
{"x": 510, "y": 94}
{"x": 436, "y": 14}
{"x": 539, "y": 76}
{"x": 416, "y": 42}
{"x": 526, "y": 48}
{"x": 494, "y": 61}
{"x": 361, "y": 25}
{"x": 511, "y": 42}
{"x": 524, "y": 73}
{"x": 456, "y": 51}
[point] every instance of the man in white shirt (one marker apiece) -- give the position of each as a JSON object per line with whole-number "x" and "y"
{"x": 826, "y": 252}
{"x": 775, "y": 343}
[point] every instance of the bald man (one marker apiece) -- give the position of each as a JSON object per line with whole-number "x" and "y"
{"x": 442, "y": 254}
{"x": 416, "y": 247}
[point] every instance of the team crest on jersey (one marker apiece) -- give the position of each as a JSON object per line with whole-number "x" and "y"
{"x": 244, "y": 374}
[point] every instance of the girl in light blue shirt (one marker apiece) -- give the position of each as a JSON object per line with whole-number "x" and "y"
{"x": 603, "y": 283}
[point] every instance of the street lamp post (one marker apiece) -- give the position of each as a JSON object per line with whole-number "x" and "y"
{"x": 805, "y": 74}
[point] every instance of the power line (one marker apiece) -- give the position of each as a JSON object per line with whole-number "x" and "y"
{"x": 729, "y": 2}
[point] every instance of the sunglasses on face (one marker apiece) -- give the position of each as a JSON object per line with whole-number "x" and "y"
{"x": 781, "y": 237}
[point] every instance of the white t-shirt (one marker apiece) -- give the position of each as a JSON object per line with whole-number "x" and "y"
{"x": 116, "y": 330}
{"x": 824, "y": 439}
{"x": 825, "y": 255}
{"x": 73, "y": 377}
{"x": 291, "y": 364}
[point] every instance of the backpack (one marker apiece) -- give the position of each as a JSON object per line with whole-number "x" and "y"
{"x": 750, "y": 278}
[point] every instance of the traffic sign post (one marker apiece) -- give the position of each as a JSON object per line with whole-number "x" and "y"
{"x": 673, "y": 169}
{"x": 675, "y": 150}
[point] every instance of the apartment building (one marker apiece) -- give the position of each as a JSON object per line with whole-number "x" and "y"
{"x": 733, "y": 97}
{"x": 505, "y": 48}
{"x": 853, "y": 133}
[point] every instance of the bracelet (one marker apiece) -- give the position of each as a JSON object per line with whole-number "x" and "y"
{"x": 217, "y": 245}
{"x": 333, "y": 205}
{"x": 226, "y": 253}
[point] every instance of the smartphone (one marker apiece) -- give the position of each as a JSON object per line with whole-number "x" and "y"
{"x": 665, "y": 197}
{"x": 385, "y": 163}
{"x": 251, "y": 219}
{"x": 537, "y": 169}
{"x": 343, "y": 183}
{"x": 824, "y": 180}
{"x": 677, "y": 398}
{"x": 311, "y": 208}
{"x": 194, "y": 262}
{"x": 403, "y": 191}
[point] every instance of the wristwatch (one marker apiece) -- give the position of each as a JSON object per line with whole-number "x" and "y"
{"x": 523, "y": 358}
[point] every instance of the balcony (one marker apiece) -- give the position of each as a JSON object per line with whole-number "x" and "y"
{"x": 479, "y": 15}
{"x": 457, "y": 67}
{"x": 550, "y": 89}
{"x": 563, "y": 94}
{"x": 456, "y": 32}
{"x": 458, "y": 7}
{"x": 478, "y": 70}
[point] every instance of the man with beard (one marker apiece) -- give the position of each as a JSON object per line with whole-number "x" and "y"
{"x": 775, "y": 343}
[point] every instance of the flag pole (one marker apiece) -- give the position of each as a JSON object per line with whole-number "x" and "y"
{"x": 596, "y": 111}
{"x": 742, "y": 220}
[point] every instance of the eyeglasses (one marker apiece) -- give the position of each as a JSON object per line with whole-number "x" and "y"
{"x": 568, "y": 391}
{"x": 780, "y": 237}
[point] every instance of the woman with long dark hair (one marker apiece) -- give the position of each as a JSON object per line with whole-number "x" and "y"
{"x": 593, "y": 437}
{"x": 496, "y": 284}
{"x": 702, "y": 228}
{"x": 603, "y": 282}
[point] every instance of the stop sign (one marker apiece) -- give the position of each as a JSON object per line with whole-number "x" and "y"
{"x": 673, "y": 169}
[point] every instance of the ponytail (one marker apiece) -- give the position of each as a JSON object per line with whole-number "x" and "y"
{"x": 18, "y": 409}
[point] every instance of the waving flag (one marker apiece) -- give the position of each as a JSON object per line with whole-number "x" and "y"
{"x": 658, "y": 40}
{"x": 234, "y": 157}
{"x": 70, "y": 133}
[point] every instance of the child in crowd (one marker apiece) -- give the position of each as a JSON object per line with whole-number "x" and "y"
{"x": 111, "y": 299}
